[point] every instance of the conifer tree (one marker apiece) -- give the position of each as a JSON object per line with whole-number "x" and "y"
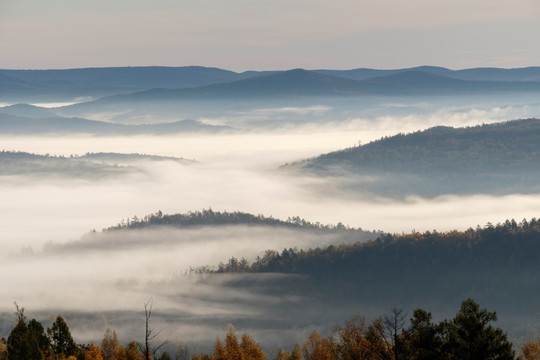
{"x": 62, "y": 342}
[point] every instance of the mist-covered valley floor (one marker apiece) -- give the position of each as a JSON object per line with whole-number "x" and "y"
{"x": 53, "y": 262}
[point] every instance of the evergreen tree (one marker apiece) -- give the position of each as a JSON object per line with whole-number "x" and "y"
{"x": 36, "y": 332}
{"x": 60, "y": 336}
{"x": 423, "y": 340}
{"x": 471, "y": 337}
{"x": 20, "y": 344}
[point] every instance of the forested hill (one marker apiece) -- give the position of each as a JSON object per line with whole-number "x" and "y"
{"x": 508, "y": 145}
{"x": 495, "y": 158}
{"x": 498, "y": 264}
{"x": 504, "y": 244}
{"x": 18, "y": 163}
{"x": 220, "y": 218}
{"x": 89, "y": 166}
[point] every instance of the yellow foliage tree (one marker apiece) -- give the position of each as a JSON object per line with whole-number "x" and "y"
{"x": 319, "y": 348}
{"x": 251, "y": 349}
{"x": 296, "y": 354}
{"x": 247, "y": 349}
{"x": 94, "y": 352}
{"x": 282, "y": 355}
{"x": 3, "y": 350}
{"x": 110, "y": 345}
{"x": 232, "y": 349}
{"x": 219, "y": 351}
{"x": 129, "y": 352}
{"x": 530, "y": 350}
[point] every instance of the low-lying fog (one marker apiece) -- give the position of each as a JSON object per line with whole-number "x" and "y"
{"x": 232, "y": 172}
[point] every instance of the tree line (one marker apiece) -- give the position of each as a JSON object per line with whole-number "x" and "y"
{"x": 502, "y": 146}
{"x": 469, "y": 335}
{"x": 496, "y": 264}
{"x": 208, "y": 217}
{"x": 506, "y": 244}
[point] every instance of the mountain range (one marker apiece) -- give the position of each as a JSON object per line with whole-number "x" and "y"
{"x": 97, "y": 82}
{"x": 304, "y": 83}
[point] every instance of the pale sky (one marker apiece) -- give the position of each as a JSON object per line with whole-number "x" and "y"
{"x": 269, "y": 34}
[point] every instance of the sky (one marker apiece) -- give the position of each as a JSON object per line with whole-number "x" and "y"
{"x": 244, "y": 35}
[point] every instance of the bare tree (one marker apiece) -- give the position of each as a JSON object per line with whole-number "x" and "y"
{"x": 19, "y": 313}
{"x": 182, "y": 352}
{"x": 393, "y": 323}
{"x": 147, "y": 349}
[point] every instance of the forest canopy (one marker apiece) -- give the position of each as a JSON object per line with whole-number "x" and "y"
{"x": 499, "y": 158}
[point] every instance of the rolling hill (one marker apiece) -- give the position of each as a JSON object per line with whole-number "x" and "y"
{"x": 19, "y": 125}
{"x": 91, "y": 166}
{"x": 499, "y": 158}
{"x": 97, "y": 82}
{"x": 17, "y": 85}
{"x": 304, "y": 84}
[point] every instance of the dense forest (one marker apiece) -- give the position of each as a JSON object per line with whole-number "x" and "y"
{"x": 499, "y": 158}
{"x": 497, "y": 264}
{"x": 469, "y": 335}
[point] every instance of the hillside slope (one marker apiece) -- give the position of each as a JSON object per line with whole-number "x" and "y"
{"x": 498, "y": 158}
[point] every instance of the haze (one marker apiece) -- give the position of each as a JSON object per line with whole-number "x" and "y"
{"x": 241, "y": 35}
{"x": 51, "y": 259}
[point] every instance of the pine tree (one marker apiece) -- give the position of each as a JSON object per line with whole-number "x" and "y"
{"x": 62, "y": 342}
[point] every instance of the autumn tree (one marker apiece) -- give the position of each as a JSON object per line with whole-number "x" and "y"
{"x": 295, "y": 354}
{"x": 351, "y": 343}
{"x": 3, "y": 349}
{"x": 247, "y": 349}
{"x": 129, "y": 352}
{"x": 94, "y": 352}
{"x": 319, "y": 348}
{"x": 358, "y": 340}
{"x": 232, "y": 348}
{"x": 110, "y": 346}
{"x": 378, "y": 346}
{"x": 219, "y": 351}
{"x": 251, "y": 349}
{"x": 530, "y": 350}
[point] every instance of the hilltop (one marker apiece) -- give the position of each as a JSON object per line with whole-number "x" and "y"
{"x": 499, "y": 158}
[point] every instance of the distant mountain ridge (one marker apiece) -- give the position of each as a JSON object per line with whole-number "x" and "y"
{"x": 479, "y": 74}
{"x": 27, "y": 110}
{"x": 289, "y": 83}
{"x": 98, "y": 82}
{"x": 19, "y": 125}
{"x": 305, "y": 83}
